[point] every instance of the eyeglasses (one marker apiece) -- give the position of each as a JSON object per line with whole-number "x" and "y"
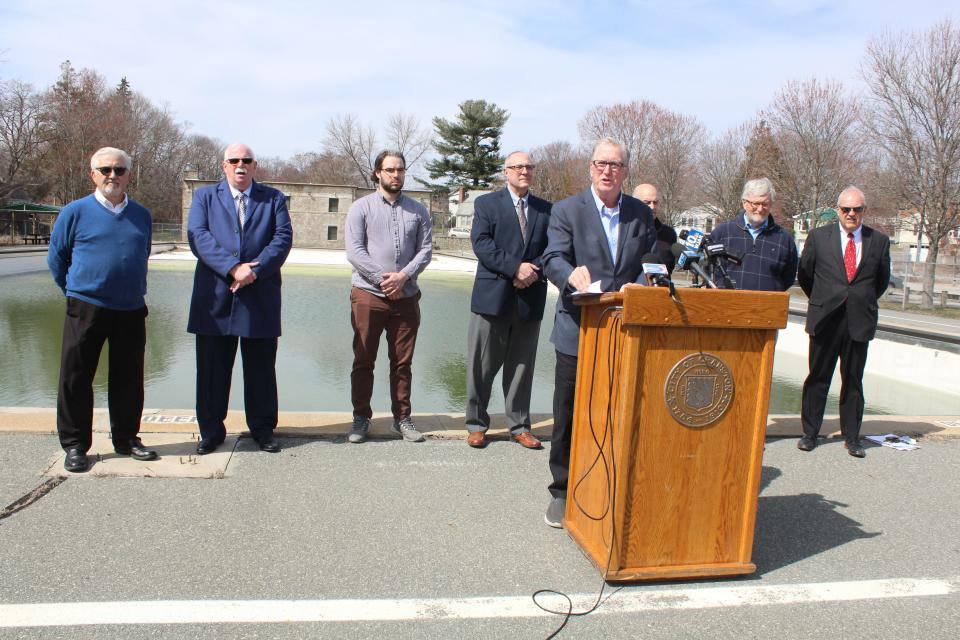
{"x": 117, "y": 171}
{"x": 854, "y": 209}
{"x": 239, "y": 160}
{"x": 650, "y": 202}
{"x": 758, "y": 205}
{"x": 393, "y": 171}
{"x": 520, "y": 168}
{"x": 603, "y": 165}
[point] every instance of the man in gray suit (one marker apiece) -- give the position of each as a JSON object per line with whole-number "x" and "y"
{"x": 600, "y": 235}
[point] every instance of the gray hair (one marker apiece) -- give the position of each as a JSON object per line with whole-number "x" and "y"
{"x": 852, "y": 189}
{"x": 110, "y": 151}
{"x": 513, "y": 153}
{"x": 758, "y": 187}
{"x": 608, "y": 141}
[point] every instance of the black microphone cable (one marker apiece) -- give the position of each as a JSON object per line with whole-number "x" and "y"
{"x": 609, "y": 467}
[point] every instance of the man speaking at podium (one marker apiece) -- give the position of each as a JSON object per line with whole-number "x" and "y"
{"x": 600, "y": 235}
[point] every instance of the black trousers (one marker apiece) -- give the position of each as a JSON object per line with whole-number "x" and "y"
{"x": 215, "y": 357}
{"x": 830, "y": 343}
{"x": 564, "y": 385}
{"x": 85, "y": 329}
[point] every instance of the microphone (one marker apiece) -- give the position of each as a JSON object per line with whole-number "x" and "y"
{"x": 656, "y": 273}
{"x": 690, "y": 261}
{"x": 718, "y": 251}
{"x": 694, "y": 240}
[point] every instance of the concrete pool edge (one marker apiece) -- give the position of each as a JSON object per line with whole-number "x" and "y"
{"x": 328, "y": 424}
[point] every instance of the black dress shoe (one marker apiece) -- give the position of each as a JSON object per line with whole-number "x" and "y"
{"x": 135, "y": 449}
{"x": 855, "y": 449}
{"x": 806, "y": 443}
{"x": 76, "y": 461}
{"x": 206, "y": 446}
{"x": 269, "y": 444}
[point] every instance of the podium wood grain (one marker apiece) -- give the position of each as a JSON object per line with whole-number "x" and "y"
{"x": 682, "y": 500}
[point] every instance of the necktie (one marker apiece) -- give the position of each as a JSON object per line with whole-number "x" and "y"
{"x": 522, "y": 217}
{"x": 850, "y": 257}
{"x": 242, "y": 209}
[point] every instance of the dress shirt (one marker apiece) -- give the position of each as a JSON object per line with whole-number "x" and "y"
{"x": 857, "y": 240}
{"x": 610, "y": 220}
{"x": 387, "y": 237}
{"x": 109, "y": 206}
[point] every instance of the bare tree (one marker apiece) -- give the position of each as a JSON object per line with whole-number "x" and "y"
{"x": 405, "y": 134}
{"x": 631, "y": 124}
{"x": 204, "y": 155}
{"x": 561, "y": 170}
{"x": 22, "y": 134}
{"x": 722, "y": 169}
{"x": 347, "y": 137}
{"x": 675, "y": 142}
{"x": 814, "y": 126}
{"x": 914, "y": 80}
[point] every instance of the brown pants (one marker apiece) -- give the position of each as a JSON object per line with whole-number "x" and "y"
{"x": 370, "y": 315}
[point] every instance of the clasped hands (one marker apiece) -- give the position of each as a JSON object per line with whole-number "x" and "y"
{"x": 527, "y": 274}
{"x": 242, "y": 274}
{"x": 392, "y": 284}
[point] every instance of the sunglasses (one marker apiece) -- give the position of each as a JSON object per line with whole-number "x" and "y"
{"x": 117, "y": 171}
{"x": 849, "y": 209}
{"x": 239, "y": 160}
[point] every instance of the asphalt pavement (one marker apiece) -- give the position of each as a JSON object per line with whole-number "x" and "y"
{"x": 438, "y": 540}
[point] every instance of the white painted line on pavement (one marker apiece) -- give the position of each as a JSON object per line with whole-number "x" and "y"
{"x": 54, "y": 614}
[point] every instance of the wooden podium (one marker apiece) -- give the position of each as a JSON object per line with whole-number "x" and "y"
{"x": 669, "y": 422}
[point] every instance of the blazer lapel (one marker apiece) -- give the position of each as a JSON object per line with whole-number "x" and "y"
{"x": 866, "y": 241}
{"x": 226, "y": 199}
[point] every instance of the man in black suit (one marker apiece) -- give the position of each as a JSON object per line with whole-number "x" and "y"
{"x": 509, "y": 235}
{"x": 666, "y": 234}
{"x": 600, "y": 234}
{"x": 844, "y": 269}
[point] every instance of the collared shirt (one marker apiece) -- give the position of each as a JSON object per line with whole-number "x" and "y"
{"x": 516, "y": 198}
{"x": 857, "y": 241}
{"x": 610, "y": 220}
{"x": 384, "y": 237}
{"x": 234, "y": 192}
{"x": 109, "y": 206}
{"x": 750, "y": 228}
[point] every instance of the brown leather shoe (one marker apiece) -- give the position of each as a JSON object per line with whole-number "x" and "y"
{"x": 477, "y": 439}
{"x": 528, "y": 440}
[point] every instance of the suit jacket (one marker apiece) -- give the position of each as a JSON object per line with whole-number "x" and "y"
{"x": 500, "y": 250}
{"x": 823, "y": 277}
{"x": 213, "y": 230}
{"x": 666, "y": 237}
{"x": 576, "y": 238}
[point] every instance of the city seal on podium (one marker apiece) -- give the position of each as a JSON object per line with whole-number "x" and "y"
{"x": 698, "y": 390}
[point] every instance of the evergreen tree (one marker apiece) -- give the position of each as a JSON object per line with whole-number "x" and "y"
{"x": 469, "y": 146}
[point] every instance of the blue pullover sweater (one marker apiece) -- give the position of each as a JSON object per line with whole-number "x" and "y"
{"x": 101, "y": 257}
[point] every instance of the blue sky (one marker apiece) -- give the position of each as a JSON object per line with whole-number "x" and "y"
{"x": 272, "y": 73}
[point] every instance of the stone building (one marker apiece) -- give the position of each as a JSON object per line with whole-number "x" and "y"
{"x": 318, "y": 211}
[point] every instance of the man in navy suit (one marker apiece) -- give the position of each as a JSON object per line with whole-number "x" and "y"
{"x": 509, "y": 235}
{"x": 600, "y": 235}
{"x": 844, "y": 269}
{"x": 240, "y": 232}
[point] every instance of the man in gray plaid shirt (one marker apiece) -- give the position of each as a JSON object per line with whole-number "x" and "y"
{"x": 769, "y": 251}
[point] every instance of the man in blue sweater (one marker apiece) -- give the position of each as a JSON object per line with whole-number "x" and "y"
{"x": 769, "y": 251}
{"x": 98, "y": 257}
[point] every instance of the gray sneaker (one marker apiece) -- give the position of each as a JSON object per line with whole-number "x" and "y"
{"x": 358, "y": 430}
{"x": 555, "y": 511}
{"x": 406, "y": 430}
